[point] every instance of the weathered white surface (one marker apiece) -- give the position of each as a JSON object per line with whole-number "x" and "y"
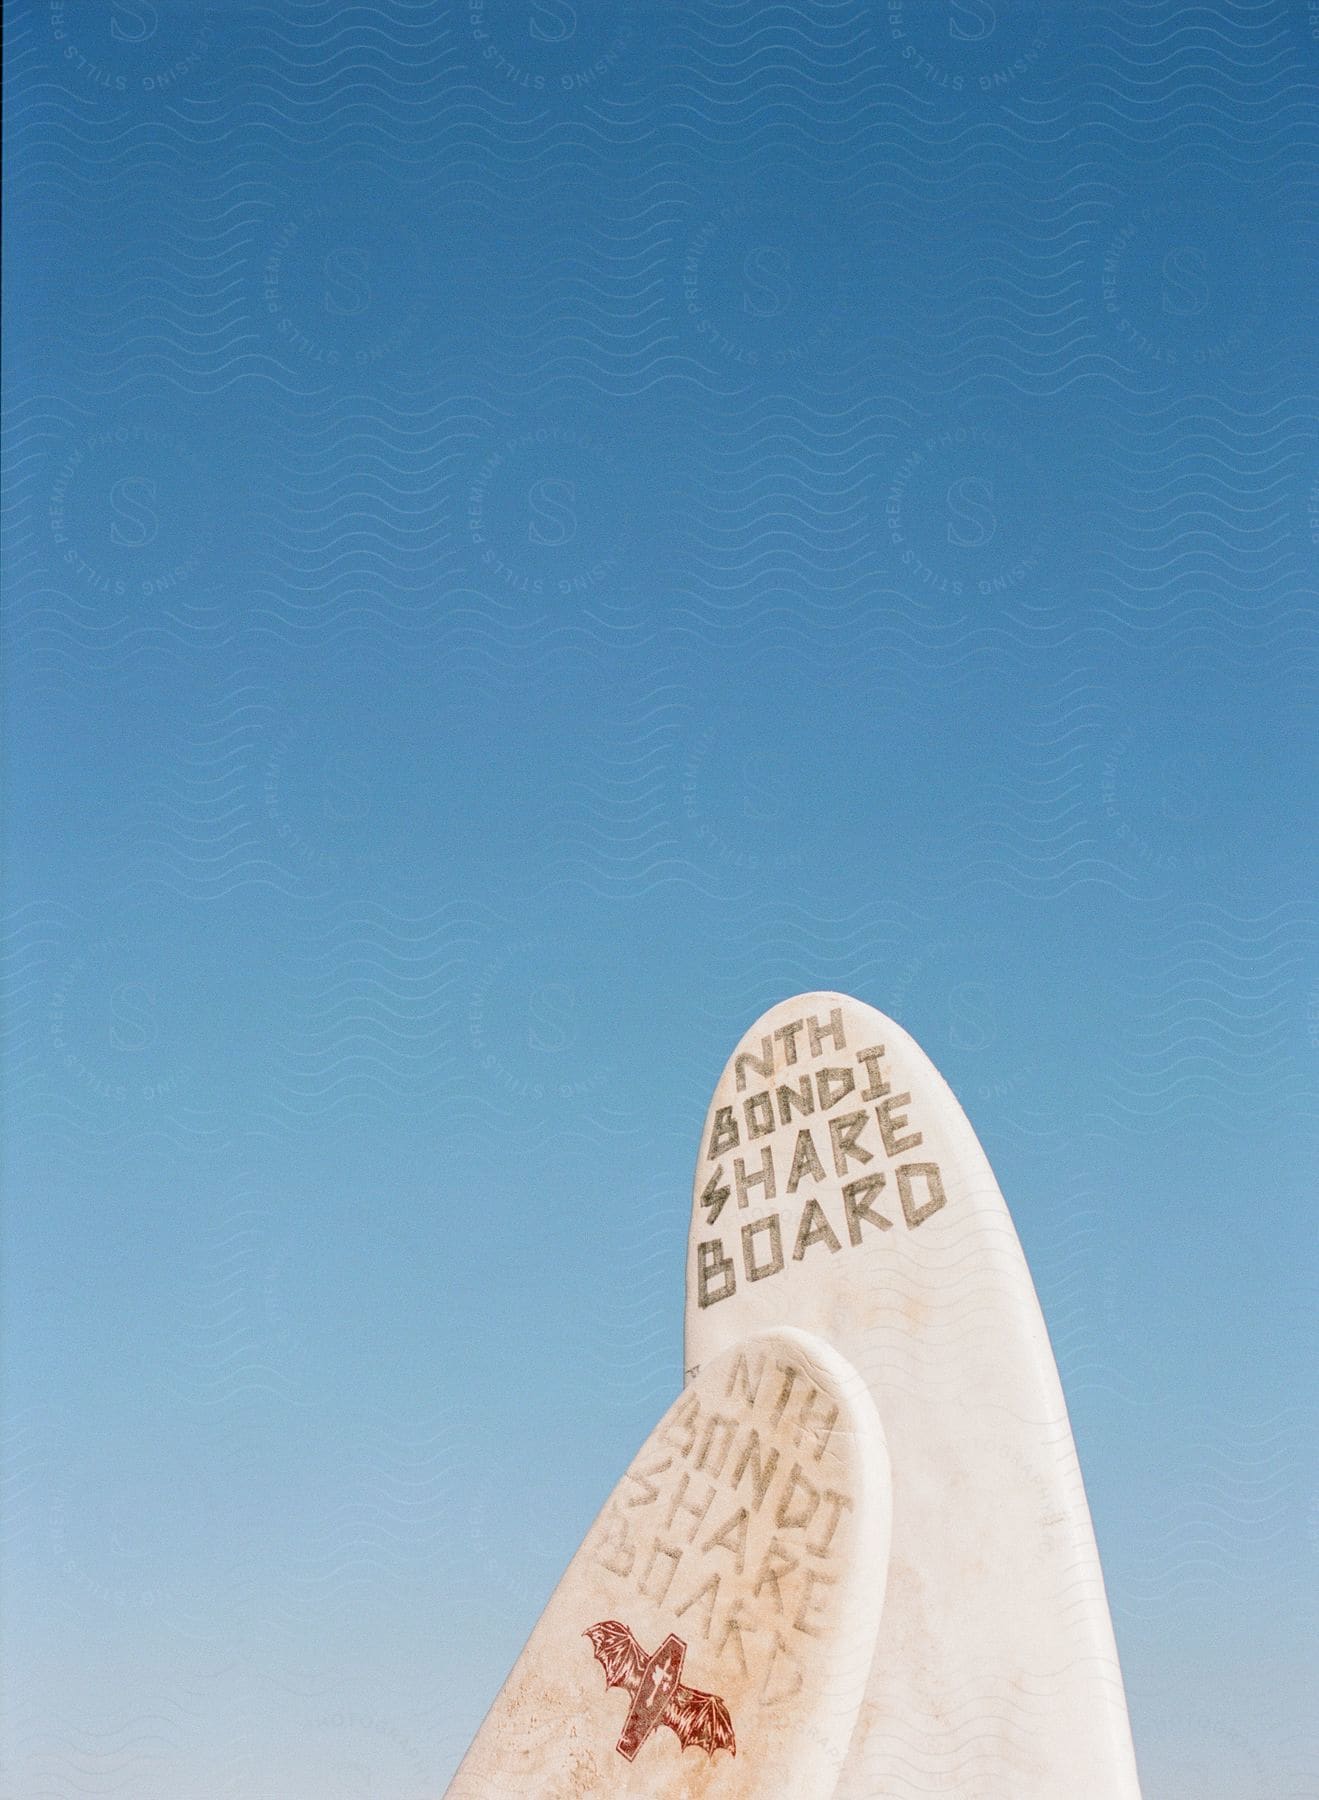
{"x": 996, "y": 1675}
{"x": 753, "y": 1527}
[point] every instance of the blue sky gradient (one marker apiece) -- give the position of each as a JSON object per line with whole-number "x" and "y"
{"x": 536, "y": 530}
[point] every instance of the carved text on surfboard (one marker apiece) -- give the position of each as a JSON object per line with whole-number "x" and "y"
{"x": 808, "y": 1140}
{"x": 730, "y": 1526}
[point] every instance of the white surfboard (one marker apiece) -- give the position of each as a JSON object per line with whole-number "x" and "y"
{"x": 714, "y": 1634}
{"x": 840, "y": 1188}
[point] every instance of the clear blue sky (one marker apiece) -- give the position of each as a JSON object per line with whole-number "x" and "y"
{"x": 536, "y": 530}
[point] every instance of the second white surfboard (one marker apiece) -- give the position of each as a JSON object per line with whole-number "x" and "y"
{"x": 712, "y": 1638}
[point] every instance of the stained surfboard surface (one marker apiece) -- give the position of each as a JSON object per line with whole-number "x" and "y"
{"x": 715, "y": 1632}
{"x": 840, "y": 1188}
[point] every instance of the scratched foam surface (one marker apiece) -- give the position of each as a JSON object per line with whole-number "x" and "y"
{"x": 537, "y": 529}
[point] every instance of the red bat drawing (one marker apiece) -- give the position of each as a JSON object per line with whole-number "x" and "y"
{"x": 658, "y": 1698}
